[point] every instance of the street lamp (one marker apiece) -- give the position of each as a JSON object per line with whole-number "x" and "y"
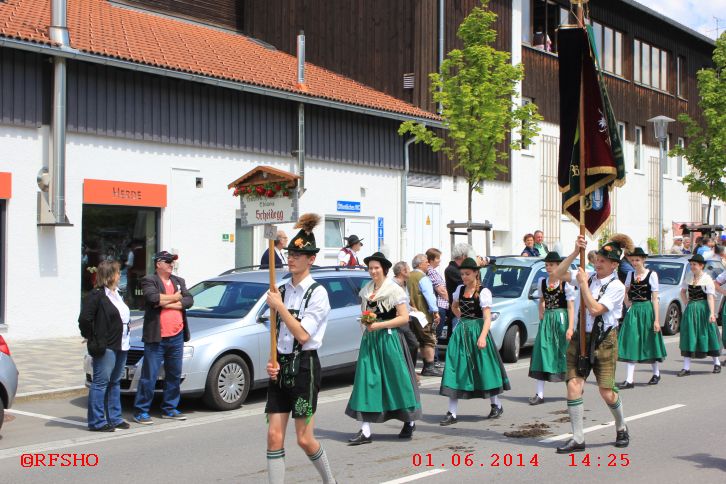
{"x": 660, "y": 125}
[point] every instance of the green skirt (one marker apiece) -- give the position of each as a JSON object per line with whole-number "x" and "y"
{"x": 385, "y": 383}
{"x": 699, "y": 337}
{"x": 723, "y": 323}
{"x": 549, "y": 355}
{"x": 637, "y": 342}
{"x": 471, "y": 372}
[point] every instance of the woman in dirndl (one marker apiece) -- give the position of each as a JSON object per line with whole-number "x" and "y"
{"x": 639, "y": 336}
{"x": 384, "y": 387}
{"x": 557, "y": 316}
{"x": 699, "y": 334}
{"x": 474, "y": 368}
{"x": 721, "y": 287}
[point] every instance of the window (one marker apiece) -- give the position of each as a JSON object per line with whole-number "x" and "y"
{"x": 704, "y": 213}
{"x": 340, "y": 293}
{"x": 638, "y": 148}
{"x": 225, "y": 299}
{"x": 334, "y": 232}
{"x": 621, "y": 132}
{"x": 716, "y": 215}
{"x": 540, "y": 19}
{"x": 681, "y": 76}
{"x": 609, "y": 46}
{"x": 650, "y": 65}
{"x": 597, "y": 33}
{"x": 679, "y": 159}
{"x": 618, "y": 53}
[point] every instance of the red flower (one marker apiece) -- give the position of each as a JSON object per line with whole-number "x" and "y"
{"x": 278, "y": 187}
{"x": 260, "y": 189}
{"x": 270, "y": 194}
{"x": 286, "y": 193}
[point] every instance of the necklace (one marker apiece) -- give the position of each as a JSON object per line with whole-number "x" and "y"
{"x": 639, "y": 277}
{"x": 552, "y": 287}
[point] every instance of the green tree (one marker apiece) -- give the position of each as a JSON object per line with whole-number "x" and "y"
{"x": 706, "y": 144}
{"x": 477, "y": 89}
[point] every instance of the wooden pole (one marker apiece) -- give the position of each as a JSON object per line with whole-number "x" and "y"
{"x": 581, "y": 129}
{"x": 273, "y": 315}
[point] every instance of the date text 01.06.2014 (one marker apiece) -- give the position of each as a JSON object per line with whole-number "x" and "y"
{"x": 470, "y": 460}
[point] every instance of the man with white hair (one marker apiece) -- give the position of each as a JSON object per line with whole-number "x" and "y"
{"x": 421, "y": 292}
{"x": 677, "y": 247}
{"x": 452, "y": 276}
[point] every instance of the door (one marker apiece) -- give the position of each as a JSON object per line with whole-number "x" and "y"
{"x": 424, "y": 227}
{"x": 365, "y": 229}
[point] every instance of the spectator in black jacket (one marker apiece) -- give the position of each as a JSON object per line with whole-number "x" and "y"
{"x": 280, "y": 257}
{"x": 104, "y": 323}
{"x": 164, "y": 333}
{"x": 453, "y": 278}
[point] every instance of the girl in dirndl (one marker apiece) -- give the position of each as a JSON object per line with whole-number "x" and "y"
{"x": 474, "y": 368}
{"x": 699, "y": 334}
{"x": 639, "y": 336}
{"x": 385, "y": 386}
{"x": 721, "y": 287}
{"x": 557, "y": 316}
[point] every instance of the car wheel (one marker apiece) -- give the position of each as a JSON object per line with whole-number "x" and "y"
{"x": 511, "y": 344}
{"x": 2, "y": 414}
{"x": 672, "y": 320}
{"x": 228, "y": 383}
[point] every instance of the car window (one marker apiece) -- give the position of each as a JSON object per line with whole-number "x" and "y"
{"x": 714, "y": 268}
{"x": 224, "y": 299}
{"x": 669, "y": 273}
{"x": 540, "y": 274}
{"x": 340, "y": 293}
{"x": 359, "y": 282}
{"x": 505, "y": 281}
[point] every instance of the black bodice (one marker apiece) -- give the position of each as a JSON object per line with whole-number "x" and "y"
{"x": 640, "y": 291}
{"x": 555, "y": 298}
{"x": 696, "y": 293}
{"x": 382, "y": 315}
{"x": 469, "y": 306}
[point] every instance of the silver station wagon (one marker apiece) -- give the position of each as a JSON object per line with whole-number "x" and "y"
{"x": 230, "y": 335}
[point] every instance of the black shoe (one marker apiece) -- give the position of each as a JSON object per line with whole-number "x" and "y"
{"x": 625, "y": 385}
{"x": 684, "y": 373}
{"x": 448, "y": 420}
{"x": 359, "y": 439}
{"x": 496, "y": 412}
{"x": 536, "y": 400}
{"x": 622, "y": 438}
{"x": 717, "y": 368}
{"x": 407, "y": 431}
{"x": 430, "y": 370}
{"x": 105, "y": 428}
{"x": 122, "y": 425}
{"x": 570, "y": 447}
{"x": 654, "y": 380}
{"x": 439, "y": 364}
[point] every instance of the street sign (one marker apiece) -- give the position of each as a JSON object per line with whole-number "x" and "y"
{"x": 270, "y": 231}
{"x": 380, "y": 233}
{"x": 351, "y": 207}
{"x": 263, "y": 210}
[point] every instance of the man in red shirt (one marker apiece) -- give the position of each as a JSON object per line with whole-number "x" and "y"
{"x": 164, "y": 333}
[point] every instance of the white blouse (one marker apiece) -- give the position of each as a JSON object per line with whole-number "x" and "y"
{"x": 485, "y": 296}
{"x": 654, "y": 285}
{"x": 125, "y": 314}
{"x": 569, "y": 289}
{"x": 705, "y": 281}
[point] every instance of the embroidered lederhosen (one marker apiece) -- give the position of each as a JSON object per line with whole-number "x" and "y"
{"x": 597, "y": 335}
{"x": 290, "y": 363}
{"x": 554, "y": 298}
{"x": 696, "y": 293}
{"x": 640, "y": 291}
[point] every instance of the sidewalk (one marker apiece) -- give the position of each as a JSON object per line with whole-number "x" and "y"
{"x": 48, "y": 365}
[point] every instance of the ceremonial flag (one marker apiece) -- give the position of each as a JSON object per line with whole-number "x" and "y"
{"x": 604, "y": 165}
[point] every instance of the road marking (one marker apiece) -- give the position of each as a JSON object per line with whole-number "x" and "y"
{"x": 415, "y": 477}
{"x": 48, "y": 417}
{"x": 53, "y": 390}
{"x": 610, "y": 424}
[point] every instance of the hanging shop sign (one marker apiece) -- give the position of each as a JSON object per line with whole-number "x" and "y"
{"x": 112, "y": 192}
{"x": 6, "y": 185}
{"x": 267, "y": 196}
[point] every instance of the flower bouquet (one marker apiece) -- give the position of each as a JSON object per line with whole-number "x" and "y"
{"x": 368, "y": 317}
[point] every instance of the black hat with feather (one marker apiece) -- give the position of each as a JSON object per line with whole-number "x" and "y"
{"x": 304, "y": 241}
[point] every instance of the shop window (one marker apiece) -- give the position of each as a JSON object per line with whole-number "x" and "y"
{"x": 638, "y": 148}
{"x": 125, "y": 234}
{"x": 334, "y": 232}
{"x": 540, "y": 20}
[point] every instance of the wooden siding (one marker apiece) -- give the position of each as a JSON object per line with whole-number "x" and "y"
{"x": 24, "y": 88}
{"x": 223, "y": 13}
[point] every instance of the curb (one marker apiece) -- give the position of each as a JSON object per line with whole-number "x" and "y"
{"x": 67, "y": 392}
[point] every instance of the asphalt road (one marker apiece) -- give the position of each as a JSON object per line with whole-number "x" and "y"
{"x": 677, "y": 431}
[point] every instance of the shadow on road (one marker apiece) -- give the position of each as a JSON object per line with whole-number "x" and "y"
{"x": 705, "y": 461}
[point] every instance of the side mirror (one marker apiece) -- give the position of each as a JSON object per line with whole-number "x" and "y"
{"x": 263, "y": 319}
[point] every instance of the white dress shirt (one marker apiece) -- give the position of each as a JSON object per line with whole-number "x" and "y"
{"x": 612, "y": 299}
{"x": 281, "y": 255}
{"x": 314, "y": 319}
{"x": 125, "y": 314}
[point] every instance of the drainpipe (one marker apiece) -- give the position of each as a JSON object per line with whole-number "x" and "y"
{"x": 301, "y": 112}
{"x": 404, "y": 196}
{"x": 52, "y": 208}
{"x": 441, "y": 39}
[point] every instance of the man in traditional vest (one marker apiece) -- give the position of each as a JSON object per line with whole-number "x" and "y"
{"x": 348, "y": 254}
{"x": 302, "y": 308}
{"x": 421, "y": 292}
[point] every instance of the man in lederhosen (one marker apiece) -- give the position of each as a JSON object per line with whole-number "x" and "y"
{"x": 302, "y": 308}
{"x": 603, "y": 302}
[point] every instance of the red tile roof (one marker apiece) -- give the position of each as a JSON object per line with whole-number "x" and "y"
{"x": 99, "y": 27}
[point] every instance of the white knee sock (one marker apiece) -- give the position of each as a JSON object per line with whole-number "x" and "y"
{"x": 716, "y": 361}
{"x": 321, "y": 463}
{"x": 576, "y": 411}
{"x": 656, "y": 368}
{"x": 366, "y": 429}
{"x": 540, "y": 388}
{"x": 453, "y": 404}
{"x": 686, "y": 362}
{"x": 617, "y": 410}
{"x": 631, "y": 372}
{"x": 495, "y": 400}
{"x": 276, "y": 466}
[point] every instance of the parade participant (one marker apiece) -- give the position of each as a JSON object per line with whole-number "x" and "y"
{"x": 474, "y": 368}
{"x": 384, "y": 387}
{"x": 442, "y": 297}
{"x": 302, "y": 308}
{"x": 348, "y": 254}
{"x": 280, "y": 257}
{"x": 699, "y": 334}
{"x": 557, "y": 317}
{"x": 603, "y": 295}
{"x": 639, "y": 336}
{"x": 720, "y": 282}
{"x": 421, "y": 292}
{"x": 400, "y": 277}
{"x": 453, "y": 278}
{"x": 687, "y": 246}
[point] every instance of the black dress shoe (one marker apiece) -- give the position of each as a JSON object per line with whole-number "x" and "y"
{"x": 448, "y": 420}
{"x": 105, "y": 428}
{"x": 684, "y": 373}
{"x": 570, "y": 447}
{"x": 622, "y": 438}
{"x": 430, "y": 370}
{"x": 625, "y": 385}
{"x": 717, "y": 368}
{"x": 496, "y": 412}
{"x": 407, "y": 431}
{"x": 536, "y": 400}
{"x": 359, "y": 439}
{"x": 654, "y": 380}
{"x": 122, "y": 425}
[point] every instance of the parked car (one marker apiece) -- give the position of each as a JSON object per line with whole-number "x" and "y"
{"x": 515, "y": 312}
{"x": 8, "y": 379}
{"x": 672, "y": 271}
{"x": 230, "y": 335}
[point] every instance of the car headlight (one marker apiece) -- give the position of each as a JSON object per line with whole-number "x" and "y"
{"x": 495, "y": 316}
{"x": 188, "y": 352}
